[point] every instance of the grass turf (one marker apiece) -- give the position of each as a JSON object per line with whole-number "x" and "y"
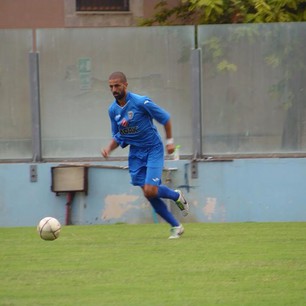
{"x": 212, "y": 264}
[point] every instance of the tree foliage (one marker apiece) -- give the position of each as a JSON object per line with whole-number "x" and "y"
{"x": 227, "y": 11}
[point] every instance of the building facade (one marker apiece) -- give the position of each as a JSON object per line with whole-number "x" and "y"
{"x": 75, "y": 13}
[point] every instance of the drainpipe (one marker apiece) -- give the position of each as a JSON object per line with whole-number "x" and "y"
{"x": 70, "y": 196}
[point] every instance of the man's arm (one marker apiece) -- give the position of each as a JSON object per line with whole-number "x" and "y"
{"x": 111, "y": 147}
{"x": 169, "y": 140}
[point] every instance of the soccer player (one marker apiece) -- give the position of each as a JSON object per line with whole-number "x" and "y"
{"x": 131, "y": 117}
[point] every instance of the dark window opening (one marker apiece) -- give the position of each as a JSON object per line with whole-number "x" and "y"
{"x": 102, "y": 5}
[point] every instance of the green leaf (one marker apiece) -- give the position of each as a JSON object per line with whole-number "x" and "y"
{"x": 273, "y": 60}
{"x": 226, "y": 66}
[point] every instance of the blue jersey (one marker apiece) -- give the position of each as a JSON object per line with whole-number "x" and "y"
{"x": 133, "y": 125}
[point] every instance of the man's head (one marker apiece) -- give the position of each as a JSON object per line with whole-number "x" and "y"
{"x": 118, "y": 84}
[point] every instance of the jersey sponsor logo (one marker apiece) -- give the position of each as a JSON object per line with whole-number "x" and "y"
{"x": 130, "y": 115}
{"x": 129, "y": 130}
{"x": 124, "y": 122}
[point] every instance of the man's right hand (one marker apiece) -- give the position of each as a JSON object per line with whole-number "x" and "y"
{"x": 105, "y": 153}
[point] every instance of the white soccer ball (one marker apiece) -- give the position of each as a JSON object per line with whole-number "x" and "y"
{"x": 49, "y": 228}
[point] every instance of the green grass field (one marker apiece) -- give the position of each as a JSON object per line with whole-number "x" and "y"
{"x": 212, "y": 264}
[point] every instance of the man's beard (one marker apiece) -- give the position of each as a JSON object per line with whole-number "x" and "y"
{"x": 118, "y": 95}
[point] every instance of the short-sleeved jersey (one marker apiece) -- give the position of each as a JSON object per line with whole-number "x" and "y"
{"x": 133, "y": 124}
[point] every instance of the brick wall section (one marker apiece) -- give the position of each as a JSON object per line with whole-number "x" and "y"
{"x": 31, "y": 14}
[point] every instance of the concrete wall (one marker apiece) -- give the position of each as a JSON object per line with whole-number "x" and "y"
{"x": 243, "y": 190}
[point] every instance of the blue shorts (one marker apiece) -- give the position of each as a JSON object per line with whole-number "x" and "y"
{"x": 146, "y": 165}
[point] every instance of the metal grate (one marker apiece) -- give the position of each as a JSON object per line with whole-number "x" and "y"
{"x": 102, "y": 5}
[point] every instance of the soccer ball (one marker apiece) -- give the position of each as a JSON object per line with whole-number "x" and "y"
{"x": 49, "y": 228}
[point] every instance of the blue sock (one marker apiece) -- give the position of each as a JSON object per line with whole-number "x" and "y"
{"x": 161, "y": 209}
{"x": 167, "y": 193}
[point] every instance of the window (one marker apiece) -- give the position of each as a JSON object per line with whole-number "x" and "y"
{"x": 102, "y": 5}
